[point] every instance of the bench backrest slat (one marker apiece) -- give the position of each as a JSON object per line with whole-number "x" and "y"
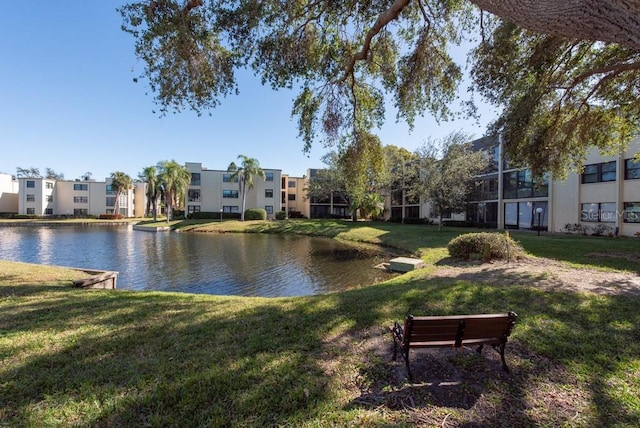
{"x": 457, "y": 328}
{"x": 434, "y": 330}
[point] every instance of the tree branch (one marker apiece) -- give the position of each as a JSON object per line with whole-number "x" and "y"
{"x": 615, "y": 68}
{"x": 383, "y": 19}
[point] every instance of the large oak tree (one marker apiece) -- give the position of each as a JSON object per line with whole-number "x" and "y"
{"x": 571, "y": 66}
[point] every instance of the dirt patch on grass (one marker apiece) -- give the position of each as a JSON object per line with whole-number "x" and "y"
{"x": 453, "y": 388}
{"x": 543, "y": 273}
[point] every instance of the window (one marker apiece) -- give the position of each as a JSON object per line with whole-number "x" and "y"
{"x": 227, "y": 178}
{"x": 520, "y": 184}
{"x": 49, "y": 185}
{"x": 48, "y": 211}
{"x": 80, "y": 186}
{"x": 110, "y": 190}
{"x": 229, "y": 193}
{"x": 31, "y": 210}
{"x": 269, "y": 209}
{"x": 632, "y": 212}
{"x": 268, "y": 193}
{"x": 412, "y": 212}
{"x": 631, "y": 169}
{"x": 194, "y": 195}
{"x": 604, "y": 212}
{"x": 49, "y": 198}
{"x": 291, "y": 197}
{"x": 195, "y": 178}
{"x": 80, "y": 212}
{"x": 193, "y": 209}
{"x": 230, "y": 209}
{"x": 111, "y": 201}
{"x": 31, "y": 183}
{"x": 268, "y": 176}
{"x": 292, "y": 183}
{"x": 80, "y": 199}
{"x": 31, "y": 198}
{"x": 599, "y": 172}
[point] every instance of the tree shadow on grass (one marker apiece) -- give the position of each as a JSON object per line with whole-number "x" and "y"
{"x": 565, "y": 348}
{"x": 131, "y": 359}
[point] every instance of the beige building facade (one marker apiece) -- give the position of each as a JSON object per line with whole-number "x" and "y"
{"x": 9, "y": 190}
{"x": 46, "y": 197}
{"x": 606, "y": 195}
{"x": 217, "y": 192}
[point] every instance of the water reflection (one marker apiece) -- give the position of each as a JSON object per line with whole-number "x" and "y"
{"x": 230, "y": 264}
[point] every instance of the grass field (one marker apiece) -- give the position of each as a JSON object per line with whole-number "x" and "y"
{"x": 73, "y": 357}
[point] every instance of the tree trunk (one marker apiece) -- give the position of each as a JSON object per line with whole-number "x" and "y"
{"x": 243, "y": 189}
{"x": 116, "y": 204}
{"x": 155, "y": 209}
{"x": 439, "y": 220}
{"x": 615, "y": 21}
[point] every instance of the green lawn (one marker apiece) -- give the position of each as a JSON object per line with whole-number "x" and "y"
{"x": 73, "y": 357}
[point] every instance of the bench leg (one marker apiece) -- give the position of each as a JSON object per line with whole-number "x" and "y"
{"x": 501, "y": 351}
{"x": 406, "y": 360}
{"x": 479, "y": 350}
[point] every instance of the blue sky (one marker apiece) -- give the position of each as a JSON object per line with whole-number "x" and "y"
{"x": 68, "y": 102}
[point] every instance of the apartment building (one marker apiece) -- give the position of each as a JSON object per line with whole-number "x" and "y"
{"x": 47, "y": 197}
{"x": 506, "y": 197}
{"x": 293, "y": 196}
{"x": 9, "y": 189}
{"x": 331, "y": 206}
{"x": 606, "y": 194}
{"x": 216, "y": 191}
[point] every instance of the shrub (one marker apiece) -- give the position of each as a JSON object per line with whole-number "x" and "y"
{"x": 255, "y": 214}
{"x": 110, "y": 216}
{"x": 214, "y": 215}
{"x": 485, "y": 245}
{"x": 281, "y": 215}
{"x": 296, "y": 214}
{"x": 601, "y": 230}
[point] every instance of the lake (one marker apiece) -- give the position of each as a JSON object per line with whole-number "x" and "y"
{"x": 225, "y": 264}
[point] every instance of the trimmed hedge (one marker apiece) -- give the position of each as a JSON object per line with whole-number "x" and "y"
{"x": 281, "y": 215}
{"x": 485, "y": 245}
{"x": 110, "y": 216}
{"x": 255, "y": 214}
{"x": 213, "y": 215}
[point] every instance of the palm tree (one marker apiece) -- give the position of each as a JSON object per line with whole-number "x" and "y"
{"x": 120, "y": 183}
{"x": 173, "y": 181}
{"x": 244, "y": 174}
{"x": 149, "y": 175}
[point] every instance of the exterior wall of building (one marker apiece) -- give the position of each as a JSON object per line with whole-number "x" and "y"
{"x": 139, "y": 199}
{"x": 564, "y": 202}
{"x": 293, "y": 197}
{"x": 9, "y": 190}
{"x": 605, "y": 195}
{"x": 42, "y": 197}
{"x": 213, "y": 191}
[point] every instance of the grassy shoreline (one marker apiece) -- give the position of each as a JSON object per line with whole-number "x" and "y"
{"x": 121, "y": 358}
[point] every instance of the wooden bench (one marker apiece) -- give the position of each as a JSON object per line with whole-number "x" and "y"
{"x": 453, "y": 331}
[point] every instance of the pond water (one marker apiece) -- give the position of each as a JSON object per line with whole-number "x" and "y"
{"x": 225, "y": 264}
